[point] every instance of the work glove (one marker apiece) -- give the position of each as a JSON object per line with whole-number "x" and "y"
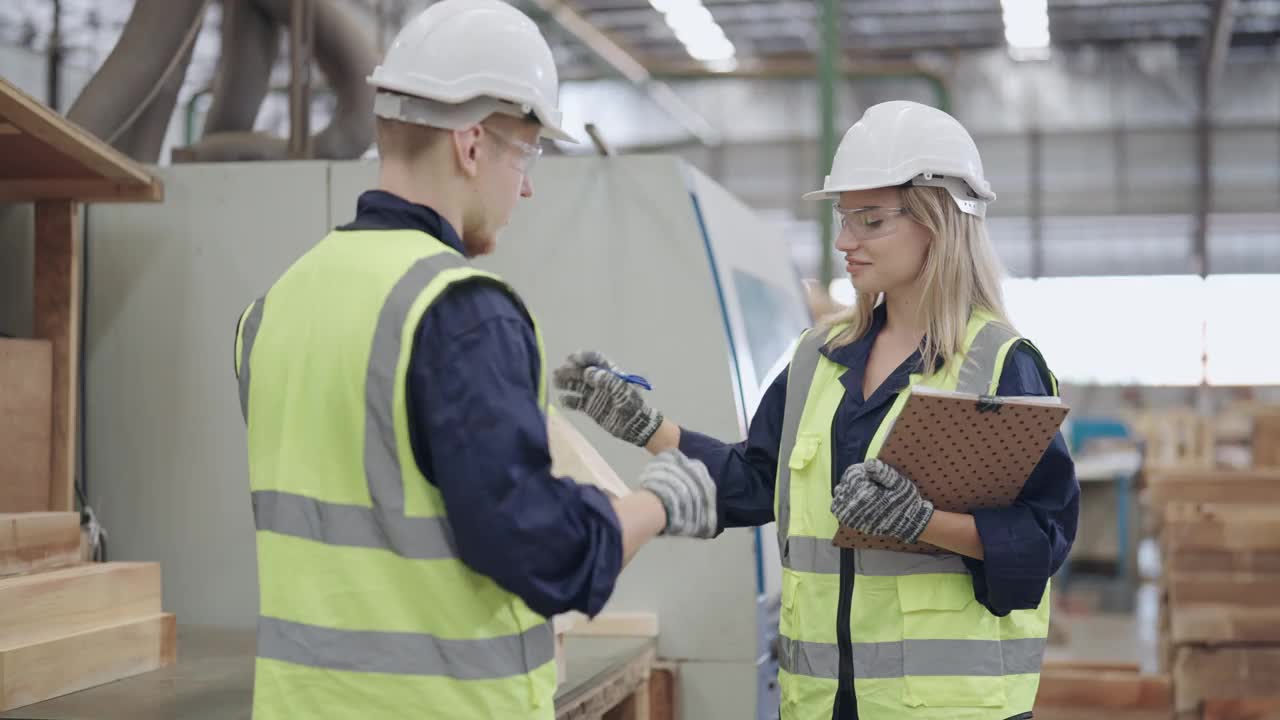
{"x": 590, "y": 382}
{"x": 687, "y": 493}
{"x": 875, "y": 499}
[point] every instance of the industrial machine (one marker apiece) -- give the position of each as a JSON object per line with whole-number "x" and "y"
{"x": 643, "y": 258}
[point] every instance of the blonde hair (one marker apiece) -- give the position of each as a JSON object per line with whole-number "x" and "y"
{"x": 961, "y": 273}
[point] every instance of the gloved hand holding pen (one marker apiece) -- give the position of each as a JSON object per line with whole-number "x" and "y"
{"x": 589, "y": 382}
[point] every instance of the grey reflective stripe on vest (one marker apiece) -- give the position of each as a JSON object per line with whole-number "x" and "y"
{"x": 405, "y": 653}
{"x": 381, "y": 452}
{"x": 887, "y": 660}
{"x": 980, "y": 361}
{"x": 424, "y": 538}
{"x": 383, "y": 526}
{"x": 811, "y": 554}
{"x": 804, "y": 363}
{"x": 887, "y": 563}
{"x": 248, "y": 333}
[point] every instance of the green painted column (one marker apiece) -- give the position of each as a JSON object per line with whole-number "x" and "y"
{"x": 829, "y": 30}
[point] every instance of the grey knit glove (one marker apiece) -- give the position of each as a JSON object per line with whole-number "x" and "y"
{"x": 875, "y": 499}
{"x": 588, "y": 382}
{"x": 687, "y": 493}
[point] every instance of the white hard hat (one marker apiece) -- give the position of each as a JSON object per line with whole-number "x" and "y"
{"x": 459, "y": 61}
{"x": 902, "y": 142}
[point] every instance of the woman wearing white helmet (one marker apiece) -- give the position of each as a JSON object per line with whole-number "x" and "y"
{"x": 879, "y": 634}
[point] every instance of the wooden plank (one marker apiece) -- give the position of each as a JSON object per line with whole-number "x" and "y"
{"x": 573, "y": 456}
{"x": 31, "y": 673}
{"x": 1228, "y": 672}
{"x": 1248, "y": 709}
{"x": 104, "y": 190}
{"x": 1222, "y": 589}
{"x": 1195, "y": 560}
{"x": 664, "y": 691}
{"x": 1226, "y": 625}
{"x": 1050, "y": 666}
{"x": 1226, "y": 527}
{"x": 38, "y": 541}
{"x": 26, "y": 387}
{"x": 57, "y": 319}
{"x": 1175, "y": 475}
{"x": 1066, "y": 713}
{"x": 618, "y": 624}
{"x": 37, "y": 119}
{"x": 54, "y": 603}
{"x": 1212, "y": 486}
{"x": 9, "y": 129}
{"x": 1103, "y": 689}
{"x": 1266, "y": 439}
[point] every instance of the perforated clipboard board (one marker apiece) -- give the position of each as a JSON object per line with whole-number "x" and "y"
{"x": 964, "y": 452}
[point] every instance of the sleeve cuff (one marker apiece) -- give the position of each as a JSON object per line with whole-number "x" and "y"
{"x": 606, "y": 575}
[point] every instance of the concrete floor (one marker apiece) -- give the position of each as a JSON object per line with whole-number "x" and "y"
{"x": 1111, "y": 637}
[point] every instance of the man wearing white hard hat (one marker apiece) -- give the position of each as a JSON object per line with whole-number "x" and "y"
{"x": 883, "y": 634}
{"x": 412, "y": 540}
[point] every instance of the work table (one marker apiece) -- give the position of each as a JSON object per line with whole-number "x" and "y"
{"x": 213, "y": 680}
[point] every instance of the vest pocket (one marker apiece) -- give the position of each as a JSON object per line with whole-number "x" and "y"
{"x": 951, "y": 645}
{"x": 806, "y": 447}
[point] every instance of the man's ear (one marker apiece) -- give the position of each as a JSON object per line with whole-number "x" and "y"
{"x": 466, "y": 149}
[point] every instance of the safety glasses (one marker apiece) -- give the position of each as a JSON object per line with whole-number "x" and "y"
{"x": 528, "y": 154}
{"x": 869, "y": 223}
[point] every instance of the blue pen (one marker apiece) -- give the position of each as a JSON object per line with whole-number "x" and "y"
{"x": 633, "y": 379}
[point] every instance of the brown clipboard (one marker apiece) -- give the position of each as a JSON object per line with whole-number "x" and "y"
{"x": 964, "y": 452}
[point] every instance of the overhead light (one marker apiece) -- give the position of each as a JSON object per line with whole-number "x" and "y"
{"x": 666, "y": 6}
{"x": 723, "y": 65}
{"x": 689, "y": 16}
{"x": 695, "y": 35}
{"x": 1026, "y": 28}
{"x": 696, "y": 28}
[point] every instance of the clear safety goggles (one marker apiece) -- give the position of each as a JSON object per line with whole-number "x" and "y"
{"x": 869, "y": 223}
{"x": 528, "y": 154}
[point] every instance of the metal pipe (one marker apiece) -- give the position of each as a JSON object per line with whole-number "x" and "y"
{"x": 152, "y": 47}
{"x": 1215, "y": 58}
{"x": 54, "y": 75}
{"x": 301, "y": 44}
{"x": 1036, "y": 171}
{"x": 829, "y": 29}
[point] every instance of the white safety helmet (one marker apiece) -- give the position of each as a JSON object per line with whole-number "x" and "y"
{"x": 460, "y": 61}
{"x": 902, "y": 142}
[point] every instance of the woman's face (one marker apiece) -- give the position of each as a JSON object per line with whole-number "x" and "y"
{"x": 884, "y": 248}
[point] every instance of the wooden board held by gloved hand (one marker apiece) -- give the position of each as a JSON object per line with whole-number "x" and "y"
{"x": 572, "y": 456}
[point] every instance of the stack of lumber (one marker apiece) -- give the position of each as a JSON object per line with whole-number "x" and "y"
{"x": 1093, "y": 691}
{"x": 66, "y": 625}
{"x": 1220, "y": 621}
